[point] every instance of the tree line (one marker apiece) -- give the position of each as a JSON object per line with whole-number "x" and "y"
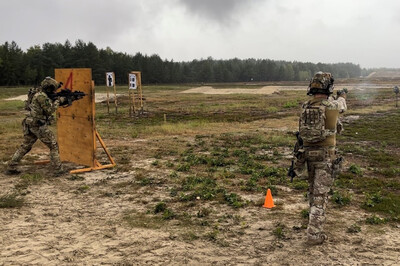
{"x": 18, "y": 67}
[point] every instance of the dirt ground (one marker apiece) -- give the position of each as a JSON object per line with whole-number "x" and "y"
{"x": 61, "y": 225}
{"x": 80, "y": 220}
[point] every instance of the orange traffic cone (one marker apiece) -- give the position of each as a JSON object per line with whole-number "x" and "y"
{"x": 269, "y": 202}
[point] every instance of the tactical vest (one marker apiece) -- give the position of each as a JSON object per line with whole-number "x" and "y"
{"x": 317, "y": 124}
{"x": 28, "y": 102}
{"x": 40, "y": 108}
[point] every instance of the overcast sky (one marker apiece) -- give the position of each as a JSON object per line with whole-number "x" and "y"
{"x": 365, "y": 32}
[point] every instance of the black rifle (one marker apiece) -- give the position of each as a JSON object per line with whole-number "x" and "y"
{"x": 297, "y": 147}
{"x": 342, "y": 91}
{"x": 291, "y": 173}
{"x": 337, "y": 166}
{"x": 68, "y": 95}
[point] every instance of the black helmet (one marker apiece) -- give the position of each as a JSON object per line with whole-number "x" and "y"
{"x": 321, "y": 83}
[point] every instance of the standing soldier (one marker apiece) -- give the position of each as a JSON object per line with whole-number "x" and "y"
{"x": 317, "y": 132}
{"x": 39, "y": 114}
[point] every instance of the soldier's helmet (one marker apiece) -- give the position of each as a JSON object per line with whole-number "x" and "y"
{"x": 50, "y": 85}
{"x": 321, "y": 83}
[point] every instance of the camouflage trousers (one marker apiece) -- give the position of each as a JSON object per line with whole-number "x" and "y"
{"x": 33, "y": 132}
{"x": 320, "y": 178}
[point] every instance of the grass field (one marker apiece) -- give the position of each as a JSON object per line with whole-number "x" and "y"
{"x": 196, "y": 182}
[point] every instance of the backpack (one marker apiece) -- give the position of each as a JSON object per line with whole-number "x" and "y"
{"x": 312, "y": 123}
{"x": 31, "y": 93}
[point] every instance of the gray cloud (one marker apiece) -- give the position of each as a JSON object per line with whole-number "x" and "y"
{"x": 56, "y": 21}
{"x": 359, "y": 31}
{"x": 223, "y": 11}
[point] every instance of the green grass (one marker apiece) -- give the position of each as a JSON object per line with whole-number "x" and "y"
{"x": 380, "y": 128}
{"x": 341, "y": 198}
{"x": 354, "y": 229}
{"x": 143, "y": 220}
{"x": 280, "y": 231}
{"x": 216, "y": 151}
{"x": 11, "y": 201}
{"x": 385, "y": 203}
{"x": 27, "y": 180}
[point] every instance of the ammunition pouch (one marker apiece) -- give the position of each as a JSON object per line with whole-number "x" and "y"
{"x": 34, "y": 122}
{"x": 315, "y": 155}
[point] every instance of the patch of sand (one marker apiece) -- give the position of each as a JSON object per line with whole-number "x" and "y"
{"x": 273, "y": 89}
{"x": 211, "y": 90}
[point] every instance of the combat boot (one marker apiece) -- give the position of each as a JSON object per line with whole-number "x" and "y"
{"x": 316, "y": 239}
{"x": 12, "y": 168}
{"x": 59, "y": 172}
{"x": 12, "y": 171}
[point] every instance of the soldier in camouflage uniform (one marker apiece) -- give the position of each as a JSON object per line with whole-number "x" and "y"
{"x": 318, "y": 126}
{"x": 40, "y": 109}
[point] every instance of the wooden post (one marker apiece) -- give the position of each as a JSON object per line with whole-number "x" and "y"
{"x": 130, "y": 104}
{"x": 108, "y": 102}
{"x": 115, "y": 96}
{"x": 133, "y": 103}
{"x": 140, "y": 91}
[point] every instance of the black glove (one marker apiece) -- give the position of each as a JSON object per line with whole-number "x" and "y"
{"x": 342, "y": 91}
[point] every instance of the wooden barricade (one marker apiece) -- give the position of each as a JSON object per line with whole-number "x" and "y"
{"x": 76, "y": 130}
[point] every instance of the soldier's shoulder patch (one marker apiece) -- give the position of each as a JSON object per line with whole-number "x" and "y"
{"x": 41, "y": 97}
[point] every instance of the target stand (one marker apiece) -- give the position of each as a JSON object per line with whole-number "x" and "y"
{"x": 135, "y": 93}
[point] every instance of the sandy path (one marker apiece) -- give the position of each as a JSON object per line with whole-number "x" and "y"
{"x": 211, "y": 90}
{"x": 274, "y": 89}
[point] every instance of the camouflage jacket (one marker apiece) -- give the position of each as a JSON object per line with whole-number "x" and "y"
{"x": 337, "y": 104}
{"x": 42, "y": 107}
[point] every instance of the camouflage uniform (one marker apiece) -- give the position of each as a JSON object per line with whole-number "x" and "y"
{"x": 35, "y": 126}
{"x": 319, "y": 158}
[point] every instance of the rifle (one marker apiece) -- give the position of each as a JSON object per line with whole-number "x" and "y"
{"x": 69, "y": 96}
{"x": 336, "y": 166}
{"x": 296, "y": 151}
{"x": 342, "y": 91}
{"x": 291, "y": 173}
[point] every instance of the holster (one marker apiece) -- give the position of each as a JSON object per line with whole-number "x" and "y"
{"x": 33, "y": 122}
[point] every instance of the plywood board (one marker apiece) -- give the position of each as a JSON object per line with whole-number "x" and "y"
{"x": 75, "y": 124}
